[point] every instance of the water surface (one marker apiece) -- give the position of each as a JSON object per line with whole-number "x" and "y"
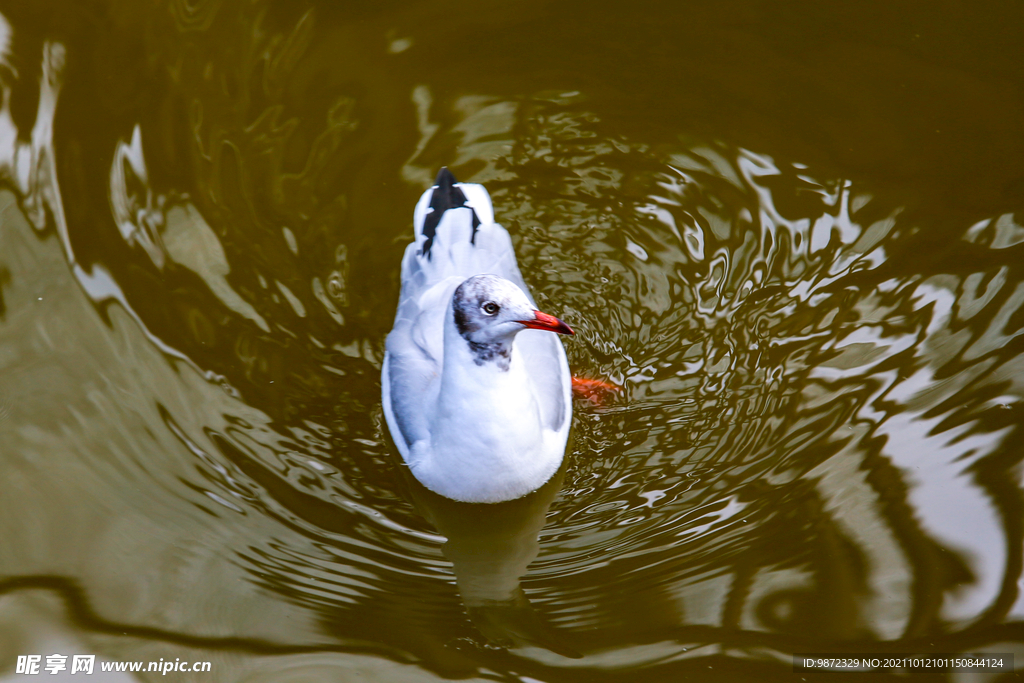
{"x": 793, "y": 235}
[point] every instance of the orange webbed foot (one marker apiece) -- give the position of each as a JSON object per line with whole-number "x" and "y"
{"x": 596, "y": 391}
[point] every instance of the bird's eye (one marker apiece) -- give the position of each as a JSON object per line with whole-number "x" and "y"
{"x": 490, "y": 308}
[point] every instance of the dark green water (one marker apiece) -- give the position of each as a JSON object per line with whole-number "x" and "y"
{"x": 793, "y": 232}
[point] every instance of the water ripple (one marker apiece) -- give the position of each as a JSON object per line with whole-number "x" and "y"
{"x": 822, "y": 390}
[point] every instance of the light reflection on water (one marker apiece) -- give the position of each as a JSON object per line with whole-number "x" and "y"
{"x": 815, "y": 446}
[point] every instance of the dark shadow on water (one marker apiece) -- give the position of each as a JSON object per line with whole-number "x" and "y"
{"x": 457, "y": 663}
{"x": 81, "y": 614}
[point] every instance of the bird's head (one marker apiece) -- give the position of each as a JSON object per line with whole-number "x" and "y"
{"x": 489, "y": 311}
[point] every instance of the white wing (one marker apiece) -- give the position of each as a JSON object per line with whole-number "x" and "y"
{"x": 462, "y": 242}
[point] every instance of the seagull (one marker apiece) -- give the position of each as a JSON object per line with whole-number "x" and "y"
{"x": 476, "y": 390}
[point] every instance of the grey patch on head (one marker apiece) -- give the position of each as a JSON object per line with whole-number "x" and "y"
{"x": 498, "y": 352}
{"x": 466, "y": 302}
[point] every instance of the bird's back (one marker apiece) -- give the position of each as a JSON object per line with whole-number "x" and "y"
{"x": 455, "y": 238}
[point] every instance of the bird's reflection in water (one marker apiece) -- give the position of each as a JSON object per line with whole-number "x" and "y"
{"x": 490, "y": 546}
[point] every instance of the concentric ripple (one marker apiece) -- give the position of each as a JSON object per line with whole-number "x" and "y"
{"x": 814, "y": 445}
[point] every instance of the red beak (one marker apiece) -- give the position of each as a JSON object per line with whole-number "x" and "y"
{"x": 543, "y": 321}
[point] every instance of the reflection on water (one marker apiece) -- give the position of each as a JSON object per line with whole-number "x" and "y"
{"x": 490, "y": 548}
{"x": 816, "y": 448}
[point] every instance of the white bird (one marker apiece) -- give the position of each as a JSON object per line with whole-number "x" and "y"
{"x": 476, "y": 392}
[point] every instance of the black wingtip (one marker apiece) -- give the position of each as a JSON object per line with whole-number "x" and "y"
{"x": 445, "y": 179}
{"x": 445, "y": 196}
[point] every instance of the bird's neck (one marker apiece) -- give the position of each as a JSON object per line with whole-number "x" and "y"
{"x": 486, "y": 388}
{"x": 483, "y": 369}
{"x": 487, "y": 440}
